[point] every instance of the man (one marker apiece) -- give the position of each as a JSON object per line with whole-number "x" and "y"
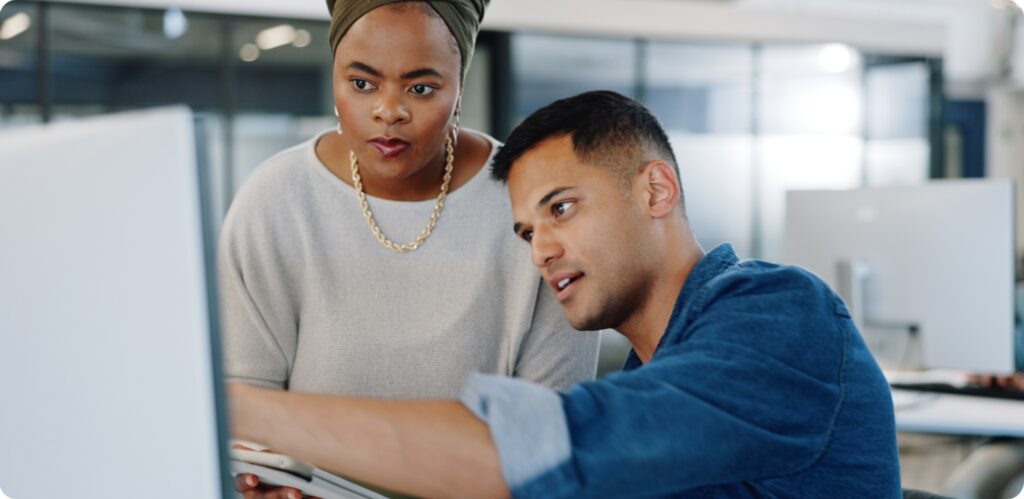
{"x": 746, "y": 379}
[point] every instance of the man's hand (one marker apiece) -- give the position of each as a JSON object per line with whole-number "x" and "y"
{"x": 432, "y": 448}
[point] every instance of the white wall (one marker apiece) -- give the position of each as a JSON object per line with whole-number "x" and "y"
{"x": 976, "y": 31}
{"x": 647, "y": 18}
{"x": 301, "y": 9}
{"x": 702, "y": 20}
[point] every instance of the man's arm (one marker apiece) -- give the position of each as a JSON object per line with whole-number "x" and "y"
{"x": 426, "y": 448}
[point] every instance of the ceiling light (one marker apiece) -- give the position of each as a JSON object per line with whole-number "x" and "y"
{"x": 836, "y": 58}
{"x": 277, "y": 36}
{"x": 249, "y": 52}
{"x": 2, "y": 3}
{"x": 302, "y": 38}
{"x": 1018, "y": 3}
{"x": 15, "y": 25}
{"x": 175, "y": 23}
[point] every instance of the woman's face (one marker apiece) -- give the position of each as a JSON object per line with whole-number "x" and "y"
{"x": 396, "y": 82}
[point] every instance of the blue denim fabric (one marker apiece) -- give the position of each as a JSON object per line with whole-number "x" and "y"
{"x": 760, "y": 387}
{"x": 526, "y": 420}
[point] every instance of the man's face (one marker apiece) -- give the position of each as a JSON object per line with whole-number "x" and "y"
{"x": 587, "y": 233}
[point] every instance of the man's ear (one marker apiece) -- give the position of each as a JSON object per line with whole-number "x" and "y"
{"x": 663, "y": 192}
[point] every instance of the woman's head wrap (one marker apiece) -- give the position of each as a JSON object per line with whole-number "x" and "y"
{"x": 461, "y": 16}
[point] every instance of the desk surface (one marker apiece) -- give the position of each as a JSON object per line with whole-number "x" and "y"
{"x": 930, "y": 412}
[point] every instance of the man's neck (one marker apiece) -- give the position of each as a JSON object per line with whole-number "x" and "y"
{"x": 645, "y": 328}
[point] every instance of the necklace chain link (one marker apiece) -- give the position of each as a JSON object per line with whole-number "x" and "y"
{"x": 357, "y": 182}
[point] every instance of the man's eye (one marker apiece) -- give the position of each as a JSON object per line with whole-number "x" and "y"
{"x": 561, "y": 208}
{"x": 528, "y": 235}
{"x": 422, "y": 90}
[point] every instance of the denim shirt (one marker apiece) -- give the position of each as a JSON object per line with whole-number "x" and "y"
{"x": 760, "y": 387}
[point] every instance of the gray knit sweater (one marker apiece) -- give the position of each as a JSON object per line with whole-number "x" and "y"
{"x": 312, "y": 302}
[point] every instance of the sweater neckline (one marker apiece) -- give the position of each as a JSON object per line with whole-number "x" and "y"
{"x": 478, "y": 179}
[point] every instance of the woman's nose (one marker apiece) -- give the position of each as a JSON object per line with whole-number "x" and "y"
{"x": 391, "y": 110}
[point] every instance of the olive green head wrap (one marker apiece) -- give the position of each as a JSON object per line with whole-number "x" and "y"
{"x": 461, "y": 16}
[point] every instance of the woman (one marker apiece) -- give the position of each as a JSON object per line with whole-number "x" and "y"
{"x": 378, "y": 259}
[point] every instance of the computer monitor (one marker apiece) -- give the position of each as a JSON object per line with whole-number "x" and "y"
{"x": 109, "y": 356}
{"x": 926, "y": 270}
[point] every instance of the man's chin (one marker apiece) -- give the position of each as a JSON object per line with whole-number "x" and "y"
{"x": 594, "y": 318}
{"x": 586, "y": 323}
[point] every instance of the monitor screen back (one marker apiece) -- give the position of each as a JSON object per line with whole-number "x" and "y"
{"x": 937, "y": 256}
{"x": 108, "y": 355}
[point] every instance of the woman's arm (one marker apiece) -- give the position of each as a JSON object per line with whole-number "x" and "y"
{"x": 554, "y": 354}
{"x": 257, "y": 313}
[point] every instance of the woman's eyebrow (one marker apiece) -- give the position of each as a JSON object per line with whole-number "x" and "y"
{"x": 366, "y": 68}
{"x": 419, "y": 73}
{"x": 416, "y": 73}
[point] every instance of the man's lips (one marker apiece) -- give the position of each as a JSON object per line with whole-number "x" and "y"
{"x": 389, "y": 148}
{"x": 564, "y": 284}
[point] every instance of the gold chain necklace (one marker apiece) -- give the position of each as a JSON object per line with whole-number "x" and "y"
{"x": 368, "y": 215}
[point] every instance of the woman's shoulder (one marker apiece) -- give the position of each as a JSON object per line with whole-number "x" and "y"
{"x": 488, "y": 144}
{"x": 281, "y": 177}
{"x": 495, "y": 143}
{"x": 483, "y": 150}
{"x": 282, "y": 169}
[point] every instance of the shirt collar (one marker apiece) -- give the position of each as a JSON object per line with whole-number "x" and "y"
{"x": 709, "y": 267}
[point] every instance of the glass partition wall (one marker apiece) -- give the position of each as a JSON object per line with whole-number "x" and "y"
{"x": 704, "y": 96}
{"x": 748, "y": 121}
{"x": 21, "y": 76}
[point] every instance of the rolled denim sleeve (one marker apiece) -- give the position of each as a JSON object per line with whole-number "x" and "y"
{"x": 527, "y": 423}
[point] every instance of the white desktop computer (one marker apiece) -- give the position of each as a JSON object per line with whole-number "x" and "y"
{"x": 109, "y": 356}
{"x": 927, "y": 270}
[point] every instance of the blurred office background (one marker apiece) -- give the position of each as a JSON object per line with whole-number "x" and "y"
{"x": 787, "y": 94}
{"x": 758, "y": 96}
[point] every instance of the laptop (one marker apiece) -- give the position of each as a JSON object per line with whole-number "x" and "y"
{"x": 109, "y": 353}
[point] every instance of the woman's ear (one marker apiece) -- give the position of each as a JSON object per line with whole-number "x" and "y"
{"x": 662, "y": 185}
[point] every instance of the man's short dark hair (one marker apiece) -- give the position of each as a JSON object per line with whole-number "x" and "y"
{"x": 607, "y": 129}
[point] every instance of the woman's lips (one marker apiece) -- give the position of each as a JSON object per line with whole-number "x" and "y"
{"x": 389, "y": 148}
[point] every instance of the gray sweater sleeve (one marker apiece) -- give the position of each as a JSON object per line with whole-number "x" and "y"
{"x": 543, "y": 355}
{"x": 259, "y": 345}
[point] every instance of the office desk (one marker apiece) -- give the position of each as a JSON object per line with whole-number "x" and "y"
{"x": 928, "y": 412}
{"x": 991, "y": 469}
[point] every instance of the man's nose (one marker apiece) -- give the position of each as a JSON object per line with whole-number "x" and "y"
{"x": 544, "y": 247}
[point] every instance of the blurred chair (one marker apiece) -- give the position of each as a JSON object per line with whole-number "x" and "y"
{"x": 990, "y": 472}
{"x": 921, "y": 494}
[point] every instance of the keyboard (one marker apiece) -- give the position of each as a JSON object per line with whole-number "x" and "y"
{"x": 973, "y": 391}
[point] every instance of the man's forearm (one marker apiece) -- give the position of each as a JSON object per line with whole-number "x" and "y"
{"x": 429, "y": 448}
